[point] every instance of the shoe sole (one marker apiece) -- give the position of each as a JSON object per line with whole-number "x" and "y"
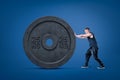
{"x": 100, "y": 68}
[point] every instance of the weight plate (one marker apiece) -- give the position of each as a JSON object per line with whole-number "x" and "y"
{"x": 49, "y": 54}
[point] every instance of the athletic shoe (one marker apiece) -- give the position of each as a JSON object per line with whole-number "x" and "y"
{"x": 84, "y": 67}
{"x": 101, "y": 67}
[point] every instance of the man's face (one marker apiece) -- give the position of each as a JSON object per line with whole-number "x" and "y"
{"x": 86, "y": 31}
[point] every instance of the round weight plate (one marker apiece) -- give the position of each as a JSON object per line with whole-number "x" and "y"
{"x": 46, "y": 54}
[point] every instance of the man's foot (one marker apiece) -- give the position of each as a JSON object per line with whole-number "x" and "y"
{"x": 101, "y": 67}
{"x": 84, "y": 67}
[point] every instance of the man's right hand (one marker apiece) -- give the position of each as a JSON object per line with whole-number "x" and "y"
{"x": 74, "y": 33}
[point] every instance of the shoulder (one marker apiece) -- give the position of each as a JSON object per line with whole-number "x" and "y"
{"x": 91, "y": 33}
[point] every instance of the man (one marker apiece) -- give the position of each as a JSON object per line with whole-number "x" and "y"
{"x": 93, "y": 49}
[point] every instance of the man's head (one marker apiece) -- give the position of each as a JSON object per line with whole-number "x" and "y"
{"x": 87, "y": 30}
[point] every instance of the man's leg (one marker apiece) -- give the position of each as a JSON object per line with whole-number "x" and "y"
{"x": 95, "y": 54}
{"x": 87, "y": 57}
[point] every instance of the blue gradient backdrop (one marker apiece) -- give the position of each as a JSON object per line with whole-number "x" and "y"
{"x": 102, "y": 16}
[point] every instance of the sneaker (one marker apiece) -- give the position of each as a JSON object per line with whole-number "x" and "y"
{"x": 84, "y": 67}
{"x": 101, "y": 67}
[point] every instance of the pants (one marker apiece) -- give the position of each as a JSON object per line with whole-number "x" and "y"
{"x": 93, "y": 51}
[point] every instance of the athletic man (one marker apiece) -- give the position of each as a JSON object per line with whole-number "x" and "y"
{"x": 93, "y": 49}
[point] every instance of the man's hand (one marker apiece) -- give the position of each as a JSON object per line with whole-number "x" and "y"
{"x": 74, "y": 33}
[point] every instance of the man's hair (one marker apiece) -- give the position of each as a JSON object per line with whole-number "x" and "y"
{"x": 87, "y": 28}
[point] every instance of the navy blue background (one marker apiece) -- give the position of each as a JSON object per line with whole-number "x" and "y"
{"x": 103, "y": 17}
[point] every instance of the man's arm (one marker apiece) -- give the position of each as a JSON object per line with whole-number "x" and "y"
{"x": 79, "y": 36}
{"x": 87, "y": 35}
{"x": 84, "y": 35}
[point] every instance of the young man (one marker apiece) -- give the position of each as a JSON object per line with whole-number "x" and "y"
{"x": 93, "y": 49}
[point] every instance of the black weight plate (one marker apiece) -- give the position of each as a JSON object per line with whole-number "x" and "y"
{"x": 37, "y": 48}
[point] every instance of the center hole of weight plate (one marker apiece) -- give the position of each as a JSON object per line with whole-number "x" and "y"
{"x": 49, "y": 42}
